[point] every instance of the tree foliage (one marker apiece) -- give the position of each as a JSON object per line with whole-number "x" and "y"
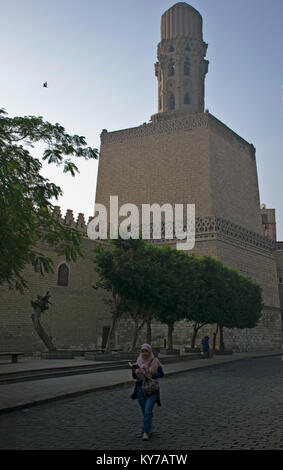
{"x": 109, "y": 279}
{"x": 171, "y": 285}
{"x": 26, "y": 214}
{"x": 176, "y": 285}
{"x": 225, "y": 298}
{"x": 127, "y": 271}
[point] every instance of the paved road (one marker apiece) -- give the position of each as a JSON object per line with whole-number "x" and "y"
{"x": 231, "y": 406}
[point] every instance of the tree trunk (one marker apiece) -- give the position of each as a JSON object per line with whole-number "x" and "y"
{"x": 111, "y": 336}
{"x": 148, "y": 330}
{"x": 135, "y": 334}
{"x": 47, "y": 340}
{"x": 196, "y": 327}
{"x": 194, "y": 336}
{"x": 137, "y": 328}
{"x": 221, "y": 345}
{"x": 117, "y": 304}
{"x": 214, "y": 338}
{"x": 170, "y": 336}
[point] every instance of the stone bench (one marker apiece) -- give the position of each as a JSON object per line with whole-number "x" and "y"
{"x": 14, "y": 355}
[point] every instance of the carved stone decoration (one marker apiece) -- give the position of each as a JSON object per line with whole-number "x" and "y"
{"x": 207, "y": 227}
{"x": 165, "y": 123}
{"x": 226, "y": 228}
{"x": 162, "y": 124}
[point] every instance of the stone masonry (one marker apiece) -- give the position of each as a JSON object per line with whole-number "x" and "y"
{"x": 77, "y": 315}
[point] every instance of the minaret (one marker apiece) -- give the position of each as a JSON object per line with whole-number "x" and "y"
{"x": 181, "y": 67}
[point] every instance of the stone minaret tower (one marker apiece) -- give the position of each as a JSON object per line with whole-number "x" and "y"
{"x": 181, "y": 67}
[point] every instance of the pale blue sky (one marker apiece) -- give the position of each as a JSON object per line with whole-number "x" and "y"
{"x": 98, "y": 59}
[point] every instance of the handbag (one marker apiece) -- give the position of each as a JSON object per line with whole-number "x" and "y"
{"x": 149, "y": 386}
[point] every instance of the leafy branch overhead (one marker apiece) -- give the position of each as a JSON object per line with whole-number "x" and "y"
{"x": 27, "y": 217}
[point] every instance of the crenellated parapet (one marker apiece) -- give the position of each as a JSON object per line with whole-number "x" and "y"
{"x": 78, "y": 224}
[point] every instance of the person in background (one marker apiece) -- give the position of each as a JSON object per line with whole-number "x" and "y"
{"x": 205, "y": 346}
{"x": 147, "y": 367}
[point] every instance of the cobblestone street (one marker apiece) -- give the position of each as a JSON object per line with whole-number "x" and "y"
{"x": 232, "y": 406}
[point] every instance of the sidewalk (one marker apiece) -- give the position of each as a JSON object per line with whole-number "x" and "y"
{"x": 25, "y": 394}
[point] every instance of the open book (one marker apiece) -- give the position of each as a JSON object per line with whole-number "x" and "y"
{"x": 133, "y": 365}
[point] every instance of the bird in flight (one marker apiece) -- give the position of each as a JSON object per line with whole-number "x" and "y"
{"x": 45, "y": 84}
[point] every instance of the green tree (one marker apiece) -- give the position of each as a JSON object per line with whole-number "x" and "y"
{"x": 225, "y": 298}
{"x": 140, "y": 269}
{"x": 26, "y": 214}
{"x": 127, "y": 271}
{"x": 176, "y": 280}
{"x": 109, "y": 280}
{"x": 206, "y": 305}
{"x": 242, "y": 303}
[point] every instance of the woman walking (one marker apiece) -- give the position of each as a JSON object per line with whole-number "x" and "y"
{"x": 145, "y": 371}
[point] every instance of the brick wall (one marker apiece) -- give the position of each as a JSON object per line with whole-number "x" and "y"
{"x": 235, "y": 192}
{"x": 75, "y": 318}
{"x": 171, "y": 168}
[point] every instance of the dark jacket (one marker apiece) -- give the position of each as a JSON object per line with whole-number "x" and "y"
{"x": 205, "y": 344}
{"x": 157, "y": 375}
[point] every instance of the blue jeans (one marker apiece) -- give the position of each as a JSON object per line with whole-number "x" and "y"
{"x": 147, "y": 404}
